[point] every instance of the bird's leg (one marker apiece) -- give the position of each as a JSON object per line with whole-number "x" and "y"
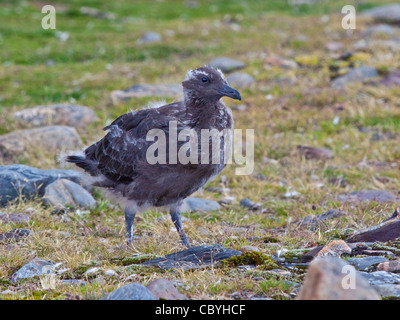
{"x": 129, "y": 217}
{"x": 176, "y": 219}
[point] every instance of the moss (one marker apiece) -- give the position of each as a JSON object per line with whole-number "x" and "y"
{"x": 251, "y": 258}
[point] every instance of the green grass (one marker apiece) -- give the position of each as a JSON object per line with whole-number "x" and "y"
{"x": 102, "y": 55}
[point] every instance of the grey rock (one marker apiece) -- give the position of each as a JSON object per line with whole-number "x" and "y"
{"x": 19, "y": 180}
{"x": 366, "y": 263}
{"x": 247, "y": 203}
{"x": 198, "y": 204}
{"x": 148, "y": 90}
{"x": 378, "y": 29}
{"x": 355, "y": 75}
{"x": 13, "y": 218}
{"x": 315, "y": 153}
{"x": 95, "y": 13}
{"x": 334, "y": 46}
{"x": 63, "y": 192}
{"x": 226, "y": 64}
{"x": 164, "y": 289}
{"x": 150, "y": 37}
{"x": 367, "y": 196}
{"x": 389, "y": 13}
{"x": 49, "y": 139}
{"x": 240, "y": 80}
{"x": 387, "y": 284}
{"x": 14, "y": 235}
{"x": 193, "y": 258}
{"x": 56, "y": 114}
{"x": 392, "y": 79}
{"x": 132, "y": 291}
{"x": 36, "y": 267}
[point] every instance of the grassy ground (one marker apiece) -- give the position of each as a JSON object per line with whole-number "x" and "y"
{"x": 102, "y": 55}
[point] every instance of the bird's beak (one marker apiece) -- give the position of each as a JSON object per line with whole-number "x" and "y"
{"x": 228, "y": 91}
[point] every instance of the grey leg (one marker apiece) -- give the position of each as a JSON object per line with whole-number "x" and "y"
{"x": 129, "y": 217}
{"x": 176, "y": 219}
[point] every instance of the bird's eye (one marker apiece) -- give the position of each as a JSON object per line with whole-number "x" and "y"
{"x": 204, "y": 79}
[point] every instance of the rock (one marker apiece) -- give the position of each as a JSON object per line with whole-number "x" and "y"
{"x": 14, "y": 235}
{"x": 198, "y": 204}
{"x": 330, "y": 279}
{"x": 148, "y": 90}
{"x": 389, "y": 266}
{"x": 150, "y": 37}
{"x": 246, "y": 203}
{"x": 392, "y": 79}
{"x": 387, "y": 284}
{"x": 132, "y": 291}
{"x": 315, "y": 153}
{"x": 226, "y": 64}
{"x": 95, "y": 13}
{"x": 275, "y": 61}
{"x": 385, "y": 231}
{"x": 366, "y": 263}
{"x": 389, "y": 13}
{"x": 334, "y": 46}
{"x": 367, "y": 196}
{"x": 36, "y": 267}
{"x": 19, "y": 180}
{"x": 314, "y": 221}
{"x": 334, "y": 249}
{"x": 193, "y": 258}
{"x": 48, "y": 139}
{"x": 110, "y": 273}
{"x": 165, "y": 290}
{"x": 63, "y": 192}
{"x": 13, "y": 218}
{"x": 355, "y": 75}
{"x": 56, "y": 114}
{"x": 240, "y": 80}
{"x": 378, "y": 29}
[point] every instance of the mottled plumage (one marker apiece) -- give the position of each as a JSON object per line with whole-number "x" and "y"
{"x": 119, "y": 163}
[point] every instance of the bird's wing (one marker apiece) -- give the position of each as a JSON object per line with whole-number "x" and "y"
{"x": 124, "y": 147}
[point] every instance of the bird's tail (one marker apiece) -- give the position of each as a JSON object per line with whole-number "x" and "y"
{"x": 82, "y": 162}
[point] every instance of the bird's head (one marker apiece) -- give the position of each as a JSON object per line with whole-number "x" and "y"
{"x": 207, "y": 85}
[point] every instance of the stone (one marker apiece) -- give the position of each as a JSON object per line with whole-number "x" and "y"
{"x": 367, "y": 263}
{"x": 334, "y": 248}
{"x": 384, "y": 231}
{"x": 193, "y": 258}
{"x": 226, "y": 64}
{"x": 249, "y": 249}
{"x": 148, "y": 90}
{"x": 165, "y": 290}
{"x": 315, "y": 153}
{"x": 132, "y": 291}
{"x": 325, "y": 280}
{"x": 198, "y": 204}
{"x": 13, "y": 218}
{"x": 48, "y": 139}
{"x": 63, "y": 193}
{"x": 246, "y": 203}
{"x": 389, "y": 13}
{"x": 14, "y": 235}
{"x": 355, "y": 75}
{"x": 56, "y": 114}
{"x": 150, "y": 37}
{"x": 391, "y": 79}
{"x": 95, "y": 13}
{"x": 18, "y": 180}
{"x": 378, "y": 29}
{"x": 368, "y": 196}
{"x": 276, "y": 61}
{"x": 334, "y": 46}
{"x": 389, "y": 266}
{"x": 387, "y": 284}
{"x": 240, "y": 80}
{"x": 36, "y": 267}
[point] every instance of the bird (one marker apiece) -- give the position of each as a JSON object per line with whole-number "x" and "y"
{"x": 119, "y": 162}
